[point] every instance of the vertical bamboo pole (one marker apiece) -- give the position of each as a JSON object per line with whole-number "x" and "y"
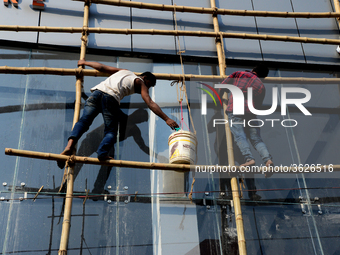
{"x": 234, "y": 186}
{"x": 337, "y": 8}
{"x": 70, "y": 170}
{"x": 220, "y": 55}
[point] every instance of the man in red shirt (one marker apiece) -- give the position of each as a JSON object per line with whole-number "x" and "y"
{"x": 243, "y": 80}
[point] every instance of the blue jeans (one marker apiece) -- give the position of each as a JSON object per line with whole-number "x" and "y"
{"x": 99, "y": 102}
{"x": 241, "y": 134}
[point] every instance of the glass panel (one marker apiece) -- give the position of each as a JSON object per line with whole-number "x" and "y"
{"x": 278, "y": 51}
{"x": 314, "y": 149}
{"x": 139, "y": 211}
{"x": 11, "y": 107}
{"x": 323, "y": 28}
{"x": 280, "y": 228}
{"x": 239, "y": 48}
{"x": 194, "y": 22}
{"x": 151, "y": 19}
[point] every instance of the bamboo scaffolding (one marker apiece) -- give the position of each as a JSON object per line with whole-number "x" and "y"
{"x": 238, "y": 217}
{"x": 215, "y": 10}
{"x": 160, "y": 76}
{"x": 219, "y": 49}
{"x": 229, "y": 138}
{"x": 70, "y": 169}
{"x": 230, "y": 150}
{"x": 234, "y": 186}
{"x": 95, "y": 161}
{"x": 148, "y": 165}
{"x": 145, "y": 165}
{"x": 128, "y": 31}
{"x": 337, "y": 9}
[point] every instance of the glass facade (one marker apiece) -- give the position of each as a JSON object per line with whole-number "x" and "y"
{"x": 122, "y": 210}
{"x": 136, "y": 211}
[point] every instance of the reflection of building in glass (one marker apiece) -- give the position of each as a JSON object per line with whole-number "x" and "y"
{"x": 141, "y": 211}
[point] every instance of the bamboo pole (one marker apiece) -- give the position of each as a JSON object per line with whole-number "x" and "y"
{"x": 160, "y": 76}
{"x": 95, "y": 161}
{"x": 218, "y": 42}
{"x": 203, "y": 10}
{"x": 153, "y": 166}
{"x": 234, "y": 186}
{"x": 238, "y": 217}
{"x": 84, "y": 39}
{"x": 70, "y": 169}
{"x": 128, "y": 31}
{"x": 230, "y": 151}
{"x": 337, "y": 9}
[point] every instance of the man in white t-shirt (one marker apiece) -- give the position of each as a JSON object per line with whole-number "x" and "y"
{"x": 105, "y": 99}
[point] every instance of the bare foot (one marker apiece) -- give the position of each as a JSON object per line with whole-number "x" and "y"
{"x": 268, "y": 164}
{"x": 249, "y": 163}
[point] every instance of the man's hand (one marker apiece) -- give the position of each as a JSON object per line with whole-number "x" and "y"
{"x": 81, "y": 62}
{"x": 144, "y": 90}
{"x": 171, "y": 123}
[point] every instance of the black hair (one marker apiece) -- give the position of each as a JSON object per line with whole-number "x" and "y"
{"x": 261, "y": 70}
{"x": 150, "y": 77}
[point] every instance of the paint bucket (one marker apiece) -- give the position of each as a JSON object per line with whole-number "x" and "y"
{"x": 182, "y": 147}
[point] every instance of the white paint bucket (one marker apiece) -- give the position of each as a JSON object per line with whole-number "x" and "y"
{"x": 182, "y": 147}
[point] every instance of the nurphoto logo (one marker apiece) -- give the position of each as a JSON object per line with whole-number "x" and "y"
{"x": 239, "y": 104}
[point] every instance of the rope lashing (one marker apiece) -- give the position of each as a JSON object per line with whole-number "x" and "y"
{"x": 241, "y": 185}
{"x": 70, "y": 162}
{"x": 192, "y": 186}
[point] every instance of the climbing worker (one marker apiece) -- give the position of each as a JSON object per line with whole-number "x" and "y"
{"x": 105, "y": 99}
{"x": 244, "y": 80}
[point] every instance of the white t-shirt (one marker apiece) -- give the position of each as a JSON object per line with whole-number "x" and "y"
{"x": 118, "y": 85}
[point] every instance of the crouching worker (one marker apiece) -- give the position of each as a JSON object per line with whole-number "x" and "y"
{"x": 105, "y": 99}
{"x": 244, "y": 80}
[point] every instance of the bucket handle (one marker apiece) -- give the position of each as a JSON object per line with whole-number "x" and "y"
{"x": 182, "y": 119}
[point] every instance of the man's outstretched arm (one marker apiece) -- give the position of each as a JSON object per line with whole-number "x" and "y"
{"x": 155, "y": 108}
{"x": 100, "y": 67}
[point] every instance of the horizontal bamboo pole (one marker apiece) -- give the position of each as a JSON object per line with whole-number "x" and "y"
{"x": 160, "y": 76}
{"x": 131, "y": 164}
{"x": 204, "y": 10}
{"x": 169, "y": 32}
{"x": 85, "y": 72}
{"x": 95, "y": 161}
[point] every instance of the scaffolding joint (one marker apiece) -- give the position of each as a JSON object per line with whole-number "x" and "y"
{"x": 215, "y": 10}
